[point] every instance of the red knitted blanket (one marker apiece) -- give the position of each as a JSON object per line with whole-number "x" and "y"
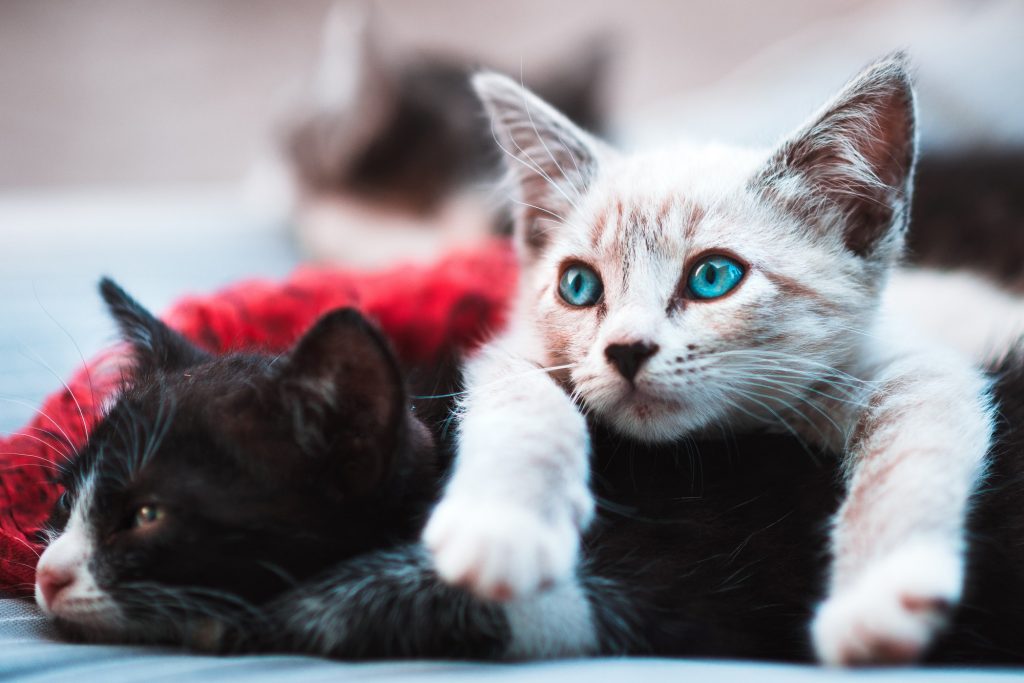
{"x": 426, "y": 310}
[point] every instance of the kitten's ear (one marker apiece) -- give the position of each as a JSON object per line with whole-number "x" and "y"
{"x": 349, "y": 61}
{"x": 348, "y": 388}
{"x": 850, "y": 169}
{"x": 352, "y": 97}
{"x": 155, "y": 346}
{"x": 550, "y": 160}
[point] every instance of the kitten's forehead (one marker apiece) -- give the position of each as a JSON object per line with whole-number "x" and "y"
{"x": 707, "y": 173}
{"x": 664, "y": 206}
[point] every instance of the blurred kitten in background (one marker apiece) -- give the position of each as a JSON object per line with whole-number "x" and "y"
{"x": 390, "y": 156}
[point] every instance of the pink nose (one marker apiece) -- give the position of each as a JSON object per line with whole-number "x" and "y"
{"x": 52, "y": 581}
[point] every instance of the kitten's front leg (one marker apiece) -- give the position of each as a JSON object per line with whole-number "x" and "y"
{"x": 509, "y": 522}
{"x": 913, "y": 460}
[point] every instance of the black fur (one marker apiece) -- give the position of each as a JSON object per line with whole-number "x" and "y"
{"x": 969, "y": 213}
{"x": 270, "y": 469}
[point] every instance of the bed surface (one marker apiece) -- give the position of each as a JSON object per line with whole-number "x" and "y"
{"x": 30, "y": 652}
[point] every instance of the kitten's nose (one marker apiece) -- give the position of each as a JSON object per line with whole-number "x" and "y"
{"x": 52, "y": 581}
{"x": 628, "y": 358}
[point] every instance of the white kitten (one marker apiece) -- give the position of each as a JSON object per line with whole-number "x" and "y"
{"x": 699, "y": 289}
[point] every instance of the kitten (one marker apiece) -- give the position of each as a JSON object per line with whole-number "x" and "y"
{"x": 710, "y": 290}
{"x": 214, "y": 483}
{"x": 248, "y": 503}
{"x": 399, "y": 143}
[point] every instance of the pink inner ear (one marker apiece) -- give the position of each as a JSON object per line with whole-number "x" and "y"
{"x": 549, "y": 157}
{"x": 885, "y": 139}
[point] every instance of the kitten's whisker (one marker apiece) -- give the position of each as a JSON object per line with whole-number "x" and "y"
{"x": 540, "y": 138}
{"x": 39, "y": 359}
{"x": 733, "y": 404}
{"x": 536, "y": 132}
{"x": 854, "y": 330}
{"x": 844, "y": 393}
{"x": 32, "y": 456}
{"x": 754, "y": 395}
{"x": 503, "y": 380}
{"x": 538, "y": 169}
{"x": 41, "y": 413}
{"x": 15, "y": 468}
{"x": 55, "y": 437}
{"x": 49, "y": 445}
{"x": 26, "y": 544}
{"x": 782, "y": 422}
{"x": 20, "y": 564}
{"x": 25, "y": 586}
{"x": 782, "y": 376}
{"x": 557, "y": 219}
{"x": 165, "y": 414}
{"x": 78, "y": 350}
{"x": 746, "y": 380}
{"x": 531, "y": 166}
{"x": 775, "y": 356}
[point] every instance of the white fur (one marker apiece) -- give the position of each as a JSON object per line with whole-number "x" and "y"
{"x": 343, "y": 51}
{"x": 82, "y": 601}
{"x": 961, "y": 309}
{"x": 890, "y": 614}
{"x": 509, "y": 522}
{"x": 356, "y": 232}
{"x": 800, "y": 346}
{"x": 557, "y": 623}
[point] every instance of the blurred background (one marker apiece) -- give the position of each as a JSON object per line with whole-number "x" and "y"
{"x": 136, "y": 137}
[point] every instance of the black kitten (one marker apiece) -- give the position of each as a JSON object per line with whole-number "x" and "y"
{"x": 214, "y": 483}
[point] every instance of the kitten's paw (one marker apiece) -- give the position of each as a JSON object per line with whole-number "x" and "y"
{"x": 500, "y": 552}
{"x": 892, "y": 613}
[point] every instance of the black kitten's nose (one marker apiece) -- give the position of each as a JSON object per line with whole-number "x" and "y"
{"x": 627, "y": 358}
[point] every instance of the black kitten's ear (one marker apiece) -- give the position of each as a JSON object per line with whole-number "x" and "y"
{"x": 351, "y": 396}
{"x": 550, "y": 160}
{"x": 154, "y": 344}
{"x": 849, "y": 170}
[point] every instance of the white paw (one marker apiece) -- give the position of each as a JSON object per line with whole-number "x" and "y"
{"x": 500, "y": 552}
{"x": 892, "y": 612}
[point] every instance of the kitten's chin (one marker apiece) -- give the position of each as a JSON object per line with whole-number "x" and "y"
{"x": 652, "y": 420}
{"x": 99, "y": 624}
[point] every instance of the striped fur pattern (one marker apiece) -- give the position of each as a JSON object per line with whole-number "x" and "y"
{"x": 801, "y": 346}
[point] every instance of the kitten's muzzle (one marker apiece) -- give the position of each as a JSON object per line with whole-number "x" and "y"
{"x": 629, "y": 358}
{"x": 53, "y": 581}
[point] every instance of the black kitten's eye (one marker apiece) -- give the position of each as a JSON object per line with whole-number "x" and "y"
{"x": 64, "y": 502}
{"x": 148, "y": 515}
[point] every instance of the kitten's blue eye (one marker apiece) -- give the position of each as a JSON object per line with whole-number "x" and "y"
{"x": 714, "y": 276}
{"x": 580, "y": 285}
